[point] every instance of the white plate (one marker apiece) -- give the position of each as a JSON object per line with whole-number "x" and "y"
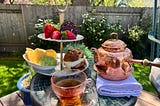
{"x": 87, "y": 64}
{"x": 78, "y": 38}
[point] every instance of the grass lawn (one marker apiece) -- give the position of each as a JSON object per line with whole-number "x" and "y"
{"x": 11, "y": 69}
{"x": 141, "y": 73}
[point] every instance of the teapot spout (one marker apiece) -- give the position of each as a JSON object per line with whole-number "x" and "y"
{"x": 96, "y": 54}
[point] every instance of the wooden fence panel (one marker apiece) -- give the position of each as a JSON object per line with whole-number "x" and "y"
{"x": 74, "y": 14}
{"x": 12, "y": 32}
{"x": 126, "y": 16}
{"x": 33, "y": 12}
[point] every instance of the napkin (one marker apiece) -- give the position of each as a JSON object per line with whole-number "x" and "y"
{"x": 123, "y": 88}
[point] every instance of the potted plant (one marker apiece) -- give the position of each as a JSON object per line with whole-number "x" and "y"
{"x": 23, "y": 85}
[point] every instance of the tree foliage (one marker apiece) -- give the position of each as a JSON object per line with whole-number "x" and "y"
{"x": 103, "y": 2}
{"x": 110, "y": 3}
{"x": 50, "y": 2}
{"x": 138, "y": 3}
{"x": 129, "y": 3}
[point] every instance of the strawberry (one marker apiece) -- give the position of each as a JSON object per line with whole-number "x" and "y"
{"x": 67, "y": 34}
{"x": 56, "y": 27}
{"x": 48, "y": 29}
{"x": 56, "y": 35}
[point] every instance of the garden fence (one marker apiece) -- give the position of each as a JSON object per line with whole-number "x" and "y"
{"x": 17, "y": 21}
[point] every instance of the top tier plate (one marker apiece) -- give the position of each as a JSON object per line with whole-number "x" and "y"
{"x": 78, "y": 38}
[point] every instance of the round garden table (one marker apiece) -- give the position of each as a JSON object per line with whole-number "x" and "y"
{"x": 40, "y": 85}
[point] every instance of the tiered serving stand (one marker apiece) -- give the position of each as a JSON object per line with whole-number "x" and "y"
{"x": 41, "y": 92}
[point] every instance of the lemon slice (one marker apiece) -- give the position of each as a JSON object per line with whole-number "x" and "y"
{"x": 51, "y": 52}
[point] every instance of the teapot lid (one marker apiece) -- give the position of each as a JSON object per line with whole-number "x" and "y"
{"x": 114, "y": 45}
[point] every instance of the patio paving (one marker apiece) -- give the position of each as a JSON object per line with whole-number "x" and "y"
{"x": 145, "y": 99}
{"x": 13, "y": 99}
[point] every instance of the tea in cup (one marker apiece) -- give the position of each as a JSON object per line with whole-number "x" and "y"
{"x": 69, "y": 87}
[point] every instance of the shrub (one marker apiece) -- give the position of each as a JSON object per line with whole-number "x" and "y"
{"x": 97, "y": 29}
{"x": 137, "y": 38}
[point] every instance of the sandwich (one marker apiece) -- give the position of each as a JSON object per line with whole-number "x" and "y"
{"x": 75, "y": 59}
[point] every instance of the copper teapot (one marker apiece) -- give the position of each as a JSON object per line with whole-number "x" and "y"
{"x": 113, "y": 60}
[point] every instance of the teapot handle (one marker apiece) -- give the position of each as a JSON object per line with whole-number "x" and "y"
{"x": 96, "y": 54}
{"x": 144, "y": 62}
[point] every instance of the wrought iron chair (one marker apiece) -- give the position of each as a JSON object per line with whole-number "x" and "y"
{"x": 154, "y": 36}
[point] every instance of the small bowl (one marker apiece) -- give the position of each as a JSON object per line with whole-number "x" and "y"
{"x": 46, "y": 70}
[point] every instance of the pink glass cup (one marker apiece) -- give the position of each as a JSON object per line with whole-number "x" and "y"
{"x": 69, "y": 88}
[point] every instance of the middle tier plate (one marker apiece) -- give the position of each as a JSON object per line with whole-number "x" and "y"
{"x": 49, "y": 70}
